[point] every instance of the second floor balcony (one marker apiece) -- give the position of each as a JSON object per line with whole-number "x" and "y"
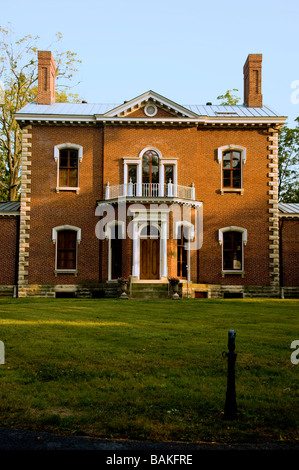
{"x": 150, "y": 190}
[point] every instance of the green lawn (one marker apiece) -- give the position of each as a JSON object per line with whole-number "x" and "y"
{"x": 149, "y": 370}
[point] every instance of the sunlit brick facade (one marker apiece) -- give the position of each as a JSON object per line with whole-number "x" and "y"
{"x": 149, "y": 189}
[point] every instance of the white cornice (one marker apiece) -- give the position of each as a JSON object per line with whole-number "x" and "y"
{"x": 59, "y": 119}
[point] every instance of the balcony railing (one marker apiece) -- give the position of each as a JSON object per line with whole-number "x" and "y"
{"x": 150, "y": 190}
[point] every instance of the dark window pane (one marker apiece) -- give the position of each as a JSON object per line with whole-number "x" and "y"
{"x": 236, "y": 180}
{"x": 68, "y": 168}
{"x": 63, "y": 177}
{"x": 73, "y": 158}
{"x": 132, "y": 173}
{"x": 72, "y": 178}
{"x": 155, "y": 174}
{"x": 226, "y": 160}
{"x": 150, "y": 167}
{"x": 66, "y": 249}
{"x": 182, "y": 253}
{"x": 226, "y": 178}
{"x": 63, "y": 158}
{"x": 168, "y": 173}
{"x": 236, "y": 159}
{"x": 232, "y": 169}
{"x": 232, "y": 250}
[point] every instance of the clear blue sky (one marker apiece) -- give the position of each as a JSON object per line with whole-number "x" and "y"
{"x": 189, "y": 51}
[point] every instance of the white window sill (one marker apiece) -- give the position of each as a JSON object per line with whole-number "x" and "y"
{"x": 233, "y": 272}
{"x": 66, "y": 271}
{"x": 66, "y": 188}
{"x": 232, "y": 190}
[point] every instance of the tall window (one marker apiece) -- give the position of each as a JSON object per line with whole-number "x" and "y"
{"x": 231, "y": 169}
{"x": 168, "y": 169}
{"x": 150, "y": 173}
{"x": 232, "y": 251}
{"x": 68, "y": 168}
{"x": 116, "y": 251}
{"x": 132, "y": 173}
{"x": 181, "y": 253}
{"x": 168, "y": 175}
{"x": 66, "y": 249}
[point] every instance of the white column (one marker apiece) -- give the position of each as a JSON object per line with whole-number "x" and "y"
{"x": 135, "y": 268}
{"x": 164, "y": 248}
{"x": 175, "y": 180}
{"x": 107, "y": 191}
{"x": 193, "y": 192}
{"x": 139, "y": 180}
{"x": 161, "y": 179}
{"x": 125, "y": 179}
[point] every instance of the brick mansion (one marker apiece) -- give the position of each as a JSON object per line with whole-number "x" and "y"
{"x": 149, "y": 189}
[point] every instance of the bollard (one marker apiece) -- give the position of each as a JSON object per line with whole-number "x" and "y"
{"x": 230, "y": 409}
{"x": 2, "y": 358}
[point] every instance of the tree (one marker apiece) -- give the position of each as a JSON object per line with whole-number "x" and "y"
{"x": 288, "y": 164}
{"x": 229, "y": 98}
{"x": 18, "y": 72}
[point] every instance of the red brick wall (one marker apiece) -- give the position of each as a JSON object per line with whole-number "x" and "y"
{"x": 197, "y": 153}
{"x": 249, "y": 210}
{"x": 290, "y": 252}
{"x": 103, "y": 150}
{"x": 8, "y": 249}
{"x": 49, "y": 209}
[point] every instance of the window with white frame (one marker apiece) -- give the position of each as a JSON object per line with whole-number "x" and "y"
{"x": 232, "y": 158}
{"x": 150, "y": 174}
{"x": 68, "y": 157}
{"x": 184, "y": 235}
{"x": 232, "y": 239}
{"x": 66, "y": 239}
{"x": 115, "y": 233}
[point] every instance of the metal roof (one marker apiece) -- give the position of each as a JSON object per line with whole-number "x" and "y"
{"x": 65, "y": 109}
{"x": 11, "y": 206}
{"x": 91, "y": 109}
{"x": 288, "y": 208}
{"x": 232, "y": 111}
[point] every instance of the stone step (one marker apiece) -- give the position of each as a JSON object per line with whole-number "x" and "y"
{"x": 148, "y": 290}
{"x": 149, "y": 287}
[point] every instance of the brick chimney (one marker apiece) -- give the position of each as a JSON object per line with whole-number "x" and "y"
{"x": 252, "y": 72}
{"x": 46, "y": 78}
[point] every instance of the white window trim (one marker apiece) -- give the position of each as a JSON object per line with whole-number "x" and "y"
{"x": 190, "y": 236}
{"x": 162, "y": 161}
{"x": 55, "y": 231}
{"x": 57, "y": 149}
{"x": 233, "y": 228}
{"x": 220, "y": 152}
{"x": 108, "y": 228}
{"x": 150, "y": 104}
{"x": 143, "y": 217}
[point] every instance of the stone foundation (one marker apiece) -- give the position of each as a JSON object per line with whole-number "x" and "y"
{"x": 112, "y": 290}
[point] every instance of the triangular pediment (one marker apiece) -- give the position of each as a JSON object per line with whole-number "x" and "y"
{"x": 150, "y": 105}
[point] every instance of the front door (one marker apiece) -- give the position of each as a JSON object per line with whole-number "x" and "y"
{"x": 150, "y": 257}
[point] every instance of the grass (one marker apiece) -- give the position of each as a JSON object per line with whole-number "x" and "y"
{"x": 148, "y": 369}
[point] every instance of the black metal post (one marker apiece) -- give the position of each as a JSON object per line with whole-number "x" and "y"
{"x": 230, "y": 409}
